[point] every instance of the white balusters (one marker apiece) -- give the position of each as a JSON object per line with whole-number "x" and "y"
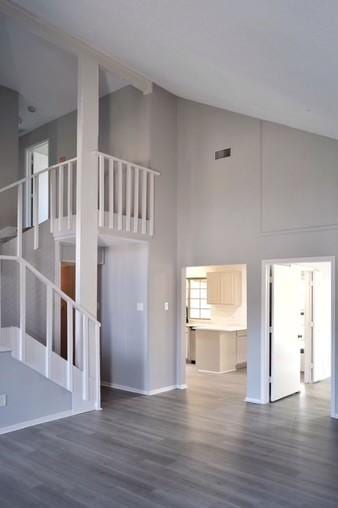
{"x": 22, "y": 331}
{"x": 85, "y": 359}
{"x": 19, "y": 220}
{"x": 36, "y": 211}
{"x": 101, "y": 191}
{"x": 69, "y": 194}
{"x": 111, "y": 193}
{"x": 144, "y": 203}
{"x": 70, "y": 346}
{"x": 120, "y": 197}
{"x": 61, "y": 195}
{"x": 151, "y": 203}
{"x": 97, "y": 367}
{"x": 128, "y": 197}
{"x": 52, "y": 200}
{"x": 136, "y": 198}
{"x": 49, "y": 330}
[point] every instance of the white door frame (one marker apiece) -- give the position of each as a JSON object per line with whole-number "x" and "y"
{"x": 265, "y": 344}
{"x": 28, "y": 173}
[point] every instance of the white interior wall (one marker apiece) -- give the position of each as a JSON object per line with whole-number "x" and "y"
{"x": 124, "y": 316}
{"x": 224, "y": 206}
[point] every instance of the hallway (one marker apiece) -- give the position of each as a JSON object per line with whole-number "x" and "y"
{"x": 203, "y": 447}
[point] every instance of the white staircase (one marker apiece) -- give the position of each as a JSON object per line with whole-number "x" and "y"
{"x": 80, "y": 371}
{"x": 125, "y": 205}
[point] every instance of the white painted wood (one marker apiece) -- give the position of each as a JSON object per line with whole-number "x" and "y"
{"x": 321, "y": 323}
{"x": 19, "y": 220}
{"x": 85, "y": 367}
{"x": 120, "y": 196}
{"x": 52, "y": 200}
{"x": 69, "y": 194}
{"x": 224, "y": 288}
{"x": 22, "y": 299}
{"x": 49, "y": 329}
{"x": 151, "y": 203}
{"x": 97, "y": 368}
{"x": 70, "y": 348}
{"x": 136, "y": 198}
{"x": 87, "y": 183}
{"x": 36, "y": 211}
{"x": 61, "y": 194}
{"x": 101, "y": 191}
{"x": 144, "y": 203}
{"x": 128, "y": 197}
{"x": 285, "y": 353}
{"x": 111, "y": 193}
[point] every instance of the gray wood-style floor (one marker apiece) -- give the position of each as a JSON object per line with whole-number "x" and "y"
{"x": 203, "y": 447}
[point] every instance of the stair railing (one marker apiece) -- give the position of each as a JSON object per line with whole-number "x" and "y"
{"x": 90, "y": 342}
{"x": 28, "y": 188}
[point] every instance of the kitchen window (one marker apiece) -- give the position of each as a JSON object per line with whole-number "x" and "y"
{"x": 198, "y": 307}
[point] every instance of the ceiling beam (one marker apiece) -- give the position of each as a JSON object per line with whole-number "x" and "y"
{"x": 69, "y": 43}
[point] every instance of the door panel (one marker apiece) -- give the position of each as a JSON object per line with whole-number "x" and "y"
{"x": 285, "y": 352}
{"x": 321, "y": 341}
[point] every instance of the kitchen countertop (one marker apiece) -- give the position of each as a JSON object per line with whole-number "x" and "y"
{"x": 217, "y": 328}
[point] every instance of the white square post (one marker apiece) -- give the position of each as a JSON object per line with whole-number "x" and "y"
{"x": 87, "y": 183}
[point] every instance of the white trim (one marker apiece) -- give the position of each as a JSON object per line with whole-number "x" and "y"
{"x": 264, "y": 374}
{"x": 216, "y": 371}
{"x": 29, "y": 175}
{"x": 76, "y": 46}
{"x": 162, "y": 390}
{"x": 43, "y": 419}
{"x": 131, "y": 389}
{"x": 254, "y": 401}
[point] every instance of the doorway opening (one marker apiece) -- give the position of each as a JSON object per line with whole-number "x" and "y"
{"x": 37, "y": 160}
{"x": 214, "y": 328}
{"x": 298, "y": 329}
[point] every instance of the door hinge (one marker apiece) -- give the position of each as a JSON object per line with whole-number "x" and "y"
{"x": 270, "y": 279}
{"x": 270, "y": 379}
{"x": 270, "y": 329}
{"x": 312, "y": 324}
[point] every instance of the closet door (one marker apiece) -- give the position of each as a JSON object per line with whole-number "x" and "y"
{"x": 321, "y": 335}
{"x": 285, "y": 353}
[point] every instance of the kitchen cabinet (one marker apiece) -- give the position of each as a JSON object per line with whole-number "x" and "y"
{"x": 224, "y": 288}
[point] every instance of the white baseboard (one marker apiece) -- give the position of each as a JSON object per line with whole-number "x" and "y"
{"x": 253, "y": 401}
{"x": 216, "y": 371}
{"x": 131, "y": 389}
{"x": 124, "y": 388}
{"x": 39, "y": 421}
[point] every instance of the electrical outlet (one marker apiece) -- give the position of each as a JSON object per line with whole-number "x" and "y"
{"x": 139, "y": 307}
{"x": 3, "y": 399}
{"x": 166, "y": 305}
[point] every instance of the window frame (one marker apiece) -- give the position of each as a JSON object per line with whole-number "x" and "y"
{"x": 188, "y": 300}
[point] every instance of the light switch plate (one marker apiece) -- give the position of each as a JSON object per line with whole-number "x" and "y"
{"x": 139, "y": 307}
{"x": 3, "y": 399}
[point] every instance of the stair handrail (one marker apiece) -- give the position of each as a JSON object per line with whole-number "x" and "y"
{"x": 35, "y": 175}
{"x": 71, "y": 304}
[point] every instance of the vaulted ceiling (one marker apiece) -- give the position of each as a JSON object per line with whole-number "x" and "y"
{"x": 272, "y": 59}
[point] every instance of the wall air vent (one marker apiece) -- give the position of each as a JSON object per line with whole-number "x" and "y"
{"x": 222, "y": 154}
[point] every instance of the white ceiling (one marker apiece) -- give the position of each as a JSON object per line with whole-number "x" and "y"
{"x": 273, "y": 59}
{"x": 44, "y": 76}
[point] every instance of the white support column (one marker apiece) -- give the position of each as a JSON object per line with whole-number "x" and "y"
{"x": 87, "y": 183}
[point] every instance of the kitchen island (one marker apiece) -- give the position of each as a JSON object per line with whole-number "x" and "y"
{"x": 220, "y": 349}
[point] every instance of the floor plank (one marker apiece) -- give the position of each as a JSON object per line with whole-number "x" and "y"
{"x": 203, "y": 447}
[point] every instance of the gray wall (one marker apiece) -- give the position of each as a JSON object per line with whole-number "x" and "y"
{"x": 9, "y": 118}
{"x": 29, "y": 395}
{"x": 274, "y": 198}
{"x": 123, "y": 334}
{"x": 44, "y": 260}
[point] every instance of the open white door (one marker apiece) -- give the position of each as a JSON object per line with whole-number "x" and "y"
{"x": 285, "y": 352}
{"x": 321, "y": 337}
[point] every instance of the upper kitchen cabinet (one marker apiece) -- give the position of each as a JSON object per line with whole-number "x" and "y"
{"x": 224, "y": 288}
